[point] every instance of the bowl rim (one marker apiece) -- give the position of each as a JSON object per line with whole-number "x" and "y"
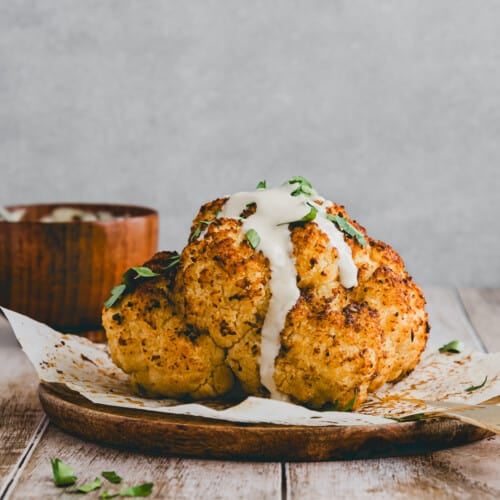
{"x": 141, "y": 211}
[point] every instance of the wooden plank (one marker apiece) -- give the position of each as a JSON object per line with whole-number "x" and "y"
{"x": 448, "y": 319}
{"x": 465, "y": 472}
{"x": 21, "y": 417}
{"x": 173, "y": 478}
{"x": 470, "y": 471}
{"x": 483, "y": 307}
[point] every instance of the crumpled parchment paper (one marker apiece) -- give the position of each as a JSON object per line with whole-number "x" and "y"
{"x": 442, "y": 384}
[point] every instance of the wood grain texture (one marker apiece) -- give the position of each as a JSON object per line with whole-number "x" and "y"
{"x": 21, "y": 416}
{"x": 173, "y": 478}
{"x": 61, "y": 273}
{"x": 466, "y": 472}
{"x": 483, "y": 309}
{"x": 448, "y": 320}
{"x": 189, "y": 436}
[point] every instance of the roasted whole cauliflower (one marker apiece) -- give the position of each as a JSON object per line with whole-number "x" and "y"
{"x": 278, "y": 293}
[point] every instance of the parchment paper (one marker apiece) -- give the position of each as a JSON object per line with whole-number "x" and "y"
{"x": 441, "y": 384}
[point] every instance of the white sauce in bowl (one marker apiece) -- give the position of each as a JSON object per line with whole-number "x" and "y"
{"x": 69, "y": 214}
{"x": 275, "y": 208}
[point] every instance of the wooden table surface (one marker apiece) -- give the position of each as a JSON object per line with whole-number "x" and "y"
{"x": 28, "y": 441}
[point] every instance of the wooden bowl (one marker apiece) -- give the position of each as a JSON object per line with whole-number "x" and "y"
{"x": 60, "y": 273}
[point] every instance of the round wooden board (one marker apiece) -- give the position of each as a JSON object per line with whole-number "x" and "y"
{"x": 187, "y": 436}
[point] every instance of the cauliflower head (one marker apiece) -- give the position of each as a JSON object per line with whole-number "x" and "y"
{"x": 278, "y": 293}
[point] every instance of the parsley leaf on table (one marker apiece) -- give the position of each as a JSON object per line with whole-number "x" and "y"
{"x": 88, "y": 487}
{"x": 111, "y": 476}
{"x": 63, "y": 473}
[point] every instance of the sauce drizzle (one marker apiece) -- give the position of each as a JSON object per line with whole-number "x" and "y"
{"x": 275, "y": 208}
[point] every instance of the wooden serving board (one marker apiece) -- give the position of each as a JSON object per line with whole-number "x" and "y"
{"x": 187, "y": 436}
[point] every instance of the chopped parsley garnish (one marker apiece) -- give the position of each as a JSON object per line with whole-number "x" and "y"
{"x": 173, "y": 261}
{"x": 350, "y": 405}
{"x": 311, "y": 215}
{"x": 262, "y": 185}
{"x": 128, "y": 283}
{"x": 253, "y": 238}
{"x": 196, "y": 233}
{"x": 201, "y": 226}
{"x": 144, "y": 272}
{"x": 111, "y": 476}
{"x": 345, "y": 226}
{"x": 303, "y": 186}
{"x": 409, "y": 418}
{"x": 88, "y": 487}
{"x": 64, "y": 476}
{"x": 116, "y": 293}
{"x": 142, "y": 490}
{"x": 63, "y": 473}
{"x": 106, "y": 494}
{"x": 475, "y": 387}
{"x": 455, "y": 346}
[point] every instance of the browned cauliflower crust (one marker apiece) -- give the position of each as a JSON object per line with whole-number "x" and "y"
{"x": 149, "y": 340}
{"x": 195, "y": 330}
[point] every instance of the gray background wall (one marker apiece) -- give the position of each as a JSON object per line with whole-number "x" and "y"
{"x": 389, "y": 107}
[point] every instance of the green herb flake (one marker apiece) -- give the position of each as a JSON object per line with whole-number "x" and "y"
{"x": 173, "y": 261}
{"x": 262, "y": 185}
{"x": 116, "y": 293}
{"x": 455, "y": 346}
{"x": 409, "y": 418}
{"x": 106, "y": 494}
{"x": 142, "y": 490}
{"x": 111, "y": 476}
{"x": 128, "y": 284}
{"x": 201, "y": 226}
{"x": 144, "y": 272}
{"x": 345, "y": 226}
{"x": 303, "y": 186}
{"x": 350, "y": 404}
{"x": 311, "y": 215}
{"x": 475, "y": 387}
{"x": 63, "y": 473}
{"x": 298, "y": 179}
{"x": 195, "y": 234}
{"x": 88, "y": 487}
{"x": 306, "y": 190}
{"x": 253, "y": 238}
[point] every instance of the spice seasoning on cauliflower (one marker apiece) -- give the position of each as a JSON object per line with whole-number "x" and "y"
{"x": 277, "y": 293}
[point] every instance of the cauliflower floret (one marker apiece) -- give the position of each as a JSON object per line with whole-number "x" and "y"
{"x": 328, "y": 357}
{"x": 194, "y": 331}
{"x": 151, "y": 342}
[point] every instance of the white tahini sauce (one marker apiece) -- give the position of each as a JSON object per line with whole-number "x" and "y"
{"x": 275, "y": 209}
{"x": 347, "y": 268}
